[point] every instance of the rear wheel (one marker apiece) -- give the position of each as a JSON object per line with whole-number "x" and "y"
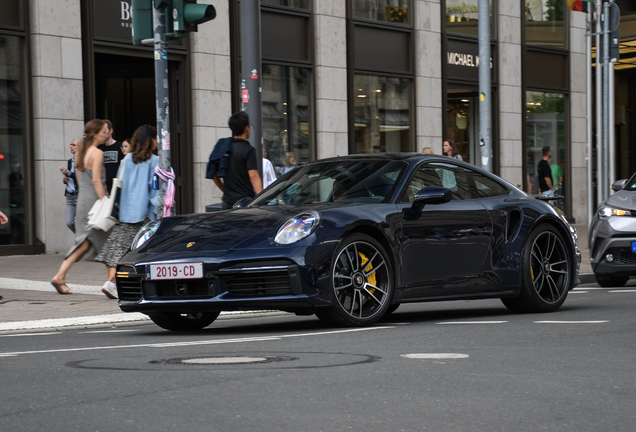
{"x": 362, "y": 283}
{"x": 545, "y": 267}
{"x": 176, "y": 321}
{"x": 608, "y": 281}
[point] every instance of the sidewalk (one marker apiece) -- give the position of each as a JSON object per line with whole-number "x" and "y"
{"x": 30, "y": 302}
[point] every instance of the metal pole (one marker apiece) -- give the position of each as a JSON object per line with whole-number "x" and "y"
{"x": 606, "y": 108}
{"x": 250, "y": 23}
{"x": 588, "y": 93}
{"x": 485, "y": 87}
{"x": 161, "y": 89}
{"x": 612, "y": 130}
{"x": 599, "y": 105}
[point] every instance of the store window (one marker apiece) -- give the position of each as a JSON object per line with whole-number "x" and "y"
{"x": 286, "y": 116}
{"x": 299, "y": 4}
{"x": 462, "y": 17}
{"x": 545, "y": 23}
{"x": 546, "y": 127}
{"x": 13, "y": 195}
{"x": 392, "y": 11}
{"x": 382, "y": 114}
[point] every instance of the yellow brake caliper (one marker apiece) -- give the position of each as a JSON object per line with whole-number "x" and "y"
{"x": 371, "y": 277}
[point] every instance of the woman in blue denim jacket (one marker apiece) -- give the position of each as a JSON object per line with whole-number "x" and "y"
{"x": 138, "y": 201}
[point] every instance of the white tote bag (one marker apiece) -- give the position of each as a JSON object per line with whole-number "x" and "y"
{"x": 100, "y": 216}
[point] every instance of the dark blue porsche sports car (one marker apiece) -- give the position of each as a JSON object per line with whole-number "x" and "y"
{"x": 351, "y": 238}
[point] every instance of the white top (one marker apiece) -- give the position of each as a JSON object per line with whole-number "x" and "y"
{"x": 269, "y": 176}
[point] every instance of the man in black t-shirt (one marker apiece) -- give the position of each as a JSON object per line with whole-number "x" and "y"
{"x": 241, "y": 178}
{"x": 545, "y": 173}
{"x": 112, "y": 156}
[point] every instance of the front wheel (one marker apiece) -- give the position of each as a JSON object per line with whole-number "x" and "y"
{"x": 361, "y": 283}
{"x": 176, "y": 321}
{"x": 545, "y": 273}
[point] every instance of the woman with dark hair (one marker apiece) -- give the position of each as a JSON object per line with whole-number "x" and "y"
{"x": 89, "y": 161}
{"x": 138, "y": 201}
{"x": 450, "y": 149}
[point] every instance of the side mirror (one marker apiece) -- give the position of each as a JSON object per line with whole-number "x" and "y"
{"x": 619, "y": 185}
{"x": 431, "y": 195}
{"x": 241, "y": 203}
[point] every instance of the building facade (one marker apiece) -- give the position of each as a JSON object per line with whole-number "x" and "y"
{"x": 338, "y": 77}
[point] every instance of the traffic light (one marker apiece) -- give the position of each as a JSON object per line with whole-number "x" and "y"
{"x": 141, "y": 21}
{"x": 187, "y": 14}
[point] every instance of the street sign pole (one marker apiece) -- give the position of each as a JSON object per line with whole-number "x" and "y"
{"x": 251, "y": 73}
{"x": 161, "y": 90}
{"x": 485, "y": 86}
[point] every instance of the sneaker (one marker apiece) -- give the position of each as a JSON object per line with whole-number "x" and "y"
{"x": 110, "y": 289}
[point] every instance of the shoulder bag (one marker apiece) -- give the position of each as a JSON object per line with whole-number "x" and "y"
{"x": 105, "y": 212}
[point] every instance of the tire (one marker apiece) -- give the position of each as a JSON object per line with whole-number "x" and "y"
{"x": 607, "y": 281}
{"x": 362, "y": 283}
{"x": 176, "y": 321}
{"x": 546, "y": 273}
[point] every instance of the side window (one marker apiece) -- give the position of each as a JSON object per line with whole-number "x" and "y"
{"x": 438, "y": 175}
{"x": 487, "y": 187}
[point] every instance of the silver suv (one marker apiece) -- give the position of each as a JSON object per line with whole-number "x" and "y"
{"x": 613, "y": 236}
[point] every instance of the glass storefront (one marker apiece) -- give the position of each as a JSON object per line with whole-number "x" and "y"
{"x": 545, "y": 23}
{"x": 286, "y": 116}
{"x": 300, "y": 4}
{"x": 545, "y": 126}
{"x": 462, "y": 17}
{"x": 13, "y": 166}
{"x": 392, "y": 11}
{"x": 382, "y": 114}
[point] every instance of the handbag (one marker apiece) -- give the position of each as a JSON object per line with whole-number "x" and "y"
{"x": 115, "y": 195}
{"x": 105, "y": 212}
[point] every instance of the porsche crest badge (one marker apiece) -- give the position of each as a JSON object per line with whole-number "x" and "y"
{"x": 190, "y": 244}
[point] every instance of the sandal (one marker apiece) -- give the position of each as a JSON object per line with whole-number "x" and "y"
{"x": 61, "y": 288}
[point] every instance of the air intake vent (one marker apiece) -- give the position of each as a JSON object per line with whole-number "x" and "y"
{"x": 514, "y": 223}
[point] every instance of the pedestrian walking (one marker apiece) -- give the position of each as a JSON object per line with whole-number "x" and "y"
{"x": 544, "y": 172}
{"x": 449, "y": 148}
{"x": 241, "y": 177}
{"x": 113, "y": 154}
{"x": 427, "y": 150}
{"x": 137, "y": 205}
{"x": 90, "y": 176}
{"x": 269, "y": 175}
{"x": 71, "y": 190}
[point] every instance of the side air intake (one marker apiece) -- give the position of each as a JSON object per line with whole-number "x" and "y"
{"x": 514, "y": 223}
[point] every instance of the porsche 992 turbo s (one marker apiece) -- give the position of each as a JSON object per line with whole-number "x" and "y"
{"x": 351, "y": 238}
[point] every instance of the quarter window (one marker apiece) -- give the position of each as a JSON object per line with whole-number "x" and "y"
{"x": 487, "y": 187}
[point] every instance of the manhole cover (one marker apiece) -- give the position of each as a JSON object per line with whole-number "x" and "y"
{"x": 224, "y": 360}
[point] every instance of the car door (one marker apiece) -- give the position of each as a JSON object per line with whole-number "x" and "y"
{"x": 446, "y": 246}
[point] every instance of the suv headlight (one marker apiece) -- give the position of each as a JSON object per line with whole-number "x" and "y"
{"x": 145, "y": 233}
{"x": 297, "y": 228}
{"x": 607, "y": 211}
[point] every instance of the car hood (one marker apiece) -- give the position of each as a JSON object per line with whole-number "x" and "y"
{"x": 623, "y": 199}
{"x": 219, "y": 232}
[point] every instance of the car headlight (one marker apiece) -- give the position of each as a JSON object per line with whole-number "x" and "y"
{"x": 607, "y": 211}
{"x": 145, "y": 233}
{"x": 297, "y": 228}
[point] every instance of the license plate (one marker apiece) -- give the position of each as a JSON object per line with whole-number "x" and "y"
{"x": 174, "y": 271}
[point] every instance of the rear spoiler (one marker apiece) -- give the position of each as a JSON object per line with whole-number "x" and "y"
{"x": 549, "y": 197}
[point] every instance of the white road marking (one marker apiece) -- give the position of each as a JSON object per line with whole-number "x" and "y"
{"x": 572, "y": 322}
{"x": 30, "y": 334}
{"x": 106, "y": 331}
{"x": 472, "y": 322}
{"x": 435, "y": 356}
{"x": 623, "y": 291}
{"x": 193, "y": 343}
{"x": 577, "y": 292}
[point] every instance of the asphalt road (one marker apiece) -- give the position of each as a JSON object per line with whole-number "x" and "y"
{"x": 452, "y": 366}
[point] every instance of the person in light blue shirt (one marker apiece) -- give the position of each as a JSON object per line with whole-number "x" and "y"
{"x": 138, "y": 201}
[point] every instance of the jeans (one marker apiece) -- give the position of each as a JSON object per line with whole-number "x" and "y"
{"x": 71, "y": 204}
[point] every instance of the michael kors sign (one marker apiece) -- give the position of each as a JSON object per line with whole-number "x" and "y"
{"x": 462, "y": 58}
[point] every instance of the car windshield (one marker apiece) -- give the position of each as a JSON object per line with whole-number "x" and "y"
{"x": 360, "y": 181}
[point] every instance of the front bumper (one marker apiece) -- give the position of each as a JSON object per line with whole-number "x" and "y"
{"x": 239, "y": 280}
{"x": 614, "y": 236}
